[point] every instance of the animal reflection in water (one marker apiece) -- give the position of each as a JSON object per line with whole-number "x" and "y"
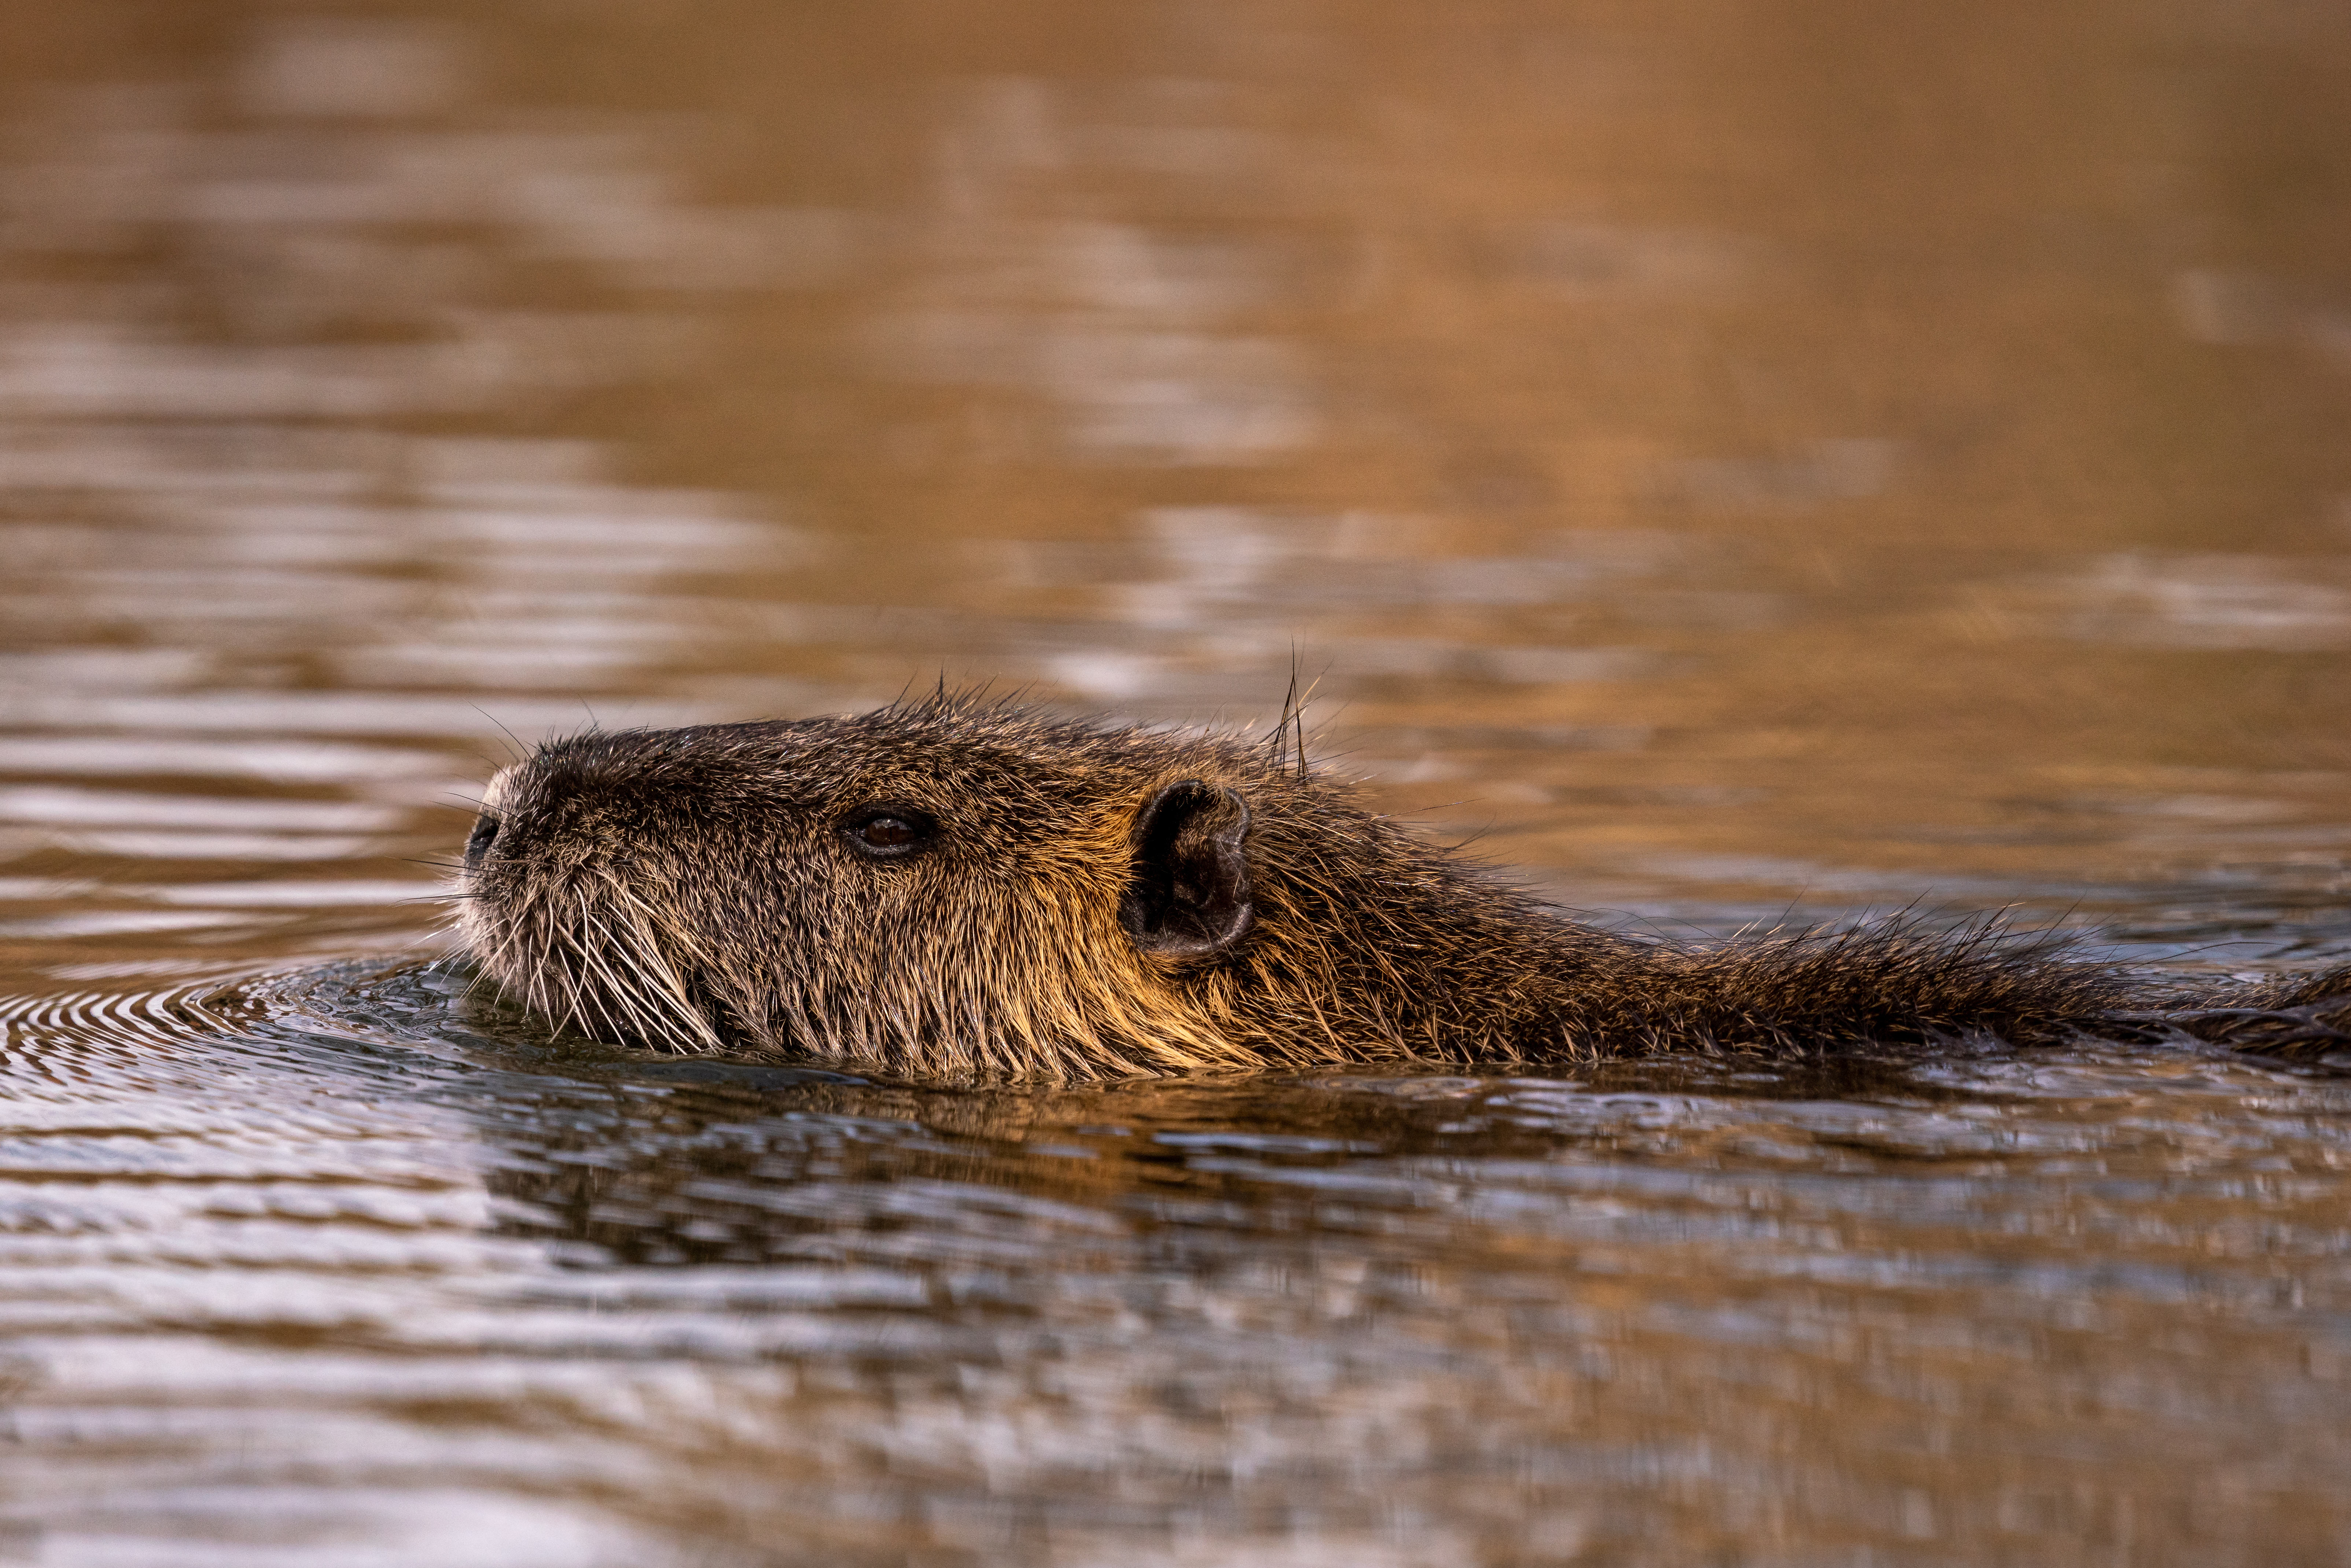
{"x": 960, "y": 887}
{"x": 724, "y": 1162}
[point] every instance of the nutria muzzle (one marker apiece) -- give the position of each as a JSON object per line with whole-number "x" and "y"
{"x": 961, "y": 887}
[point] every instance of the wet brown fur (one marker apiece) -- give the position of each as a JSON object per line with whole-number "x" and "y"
{"x": 692, "y": 889}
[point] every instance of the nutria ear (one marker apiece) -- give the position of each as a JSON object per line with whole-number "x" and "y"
{"x": 1188, "y": 893}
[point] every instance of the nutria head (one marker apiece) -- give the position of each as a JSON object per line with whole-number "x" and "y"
{"x": 960, "y": 886}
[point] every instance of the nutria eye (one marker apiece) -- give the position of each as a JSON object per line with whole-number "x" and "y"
{"x": 888, "y": 831}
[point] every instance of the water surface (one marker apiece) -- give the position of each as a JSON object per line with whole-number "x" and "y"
{"x": 1735, "y": 462}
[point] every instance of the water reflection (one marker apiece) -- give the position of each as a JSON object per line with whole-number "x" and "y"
{"x": 1632, "y": 1316}
{"x": 320, "y": 352}
{"x": 2202, "y": 601}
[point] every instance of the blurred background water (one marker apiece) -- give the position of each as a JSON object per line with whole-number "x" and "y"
{"x": 1728, "y": 458}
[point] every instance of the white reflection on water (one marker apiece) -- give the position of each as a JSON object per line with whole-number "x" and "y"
{"x": 1140, "y": 336}
{"x": 2200, "y": 601}
{"x": 2237, "y": 309}
{"x": 76, "y": 807}
{"x": 1207, "y": 597}
{"x": 341, "y": 68}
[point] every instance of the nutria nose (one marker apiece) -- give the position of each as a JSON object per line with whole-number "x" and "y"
{"x": 479, "y": 842}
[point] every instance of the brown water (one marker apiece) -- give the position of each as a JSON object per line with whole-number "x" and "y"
{"x": 1730, "y": 458}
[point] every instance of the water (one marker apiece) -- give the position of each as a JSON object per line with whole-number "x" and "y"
{"x": 1725, "y": 462}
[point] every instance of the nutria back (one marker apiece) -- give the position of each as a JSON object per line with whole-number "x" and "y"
{"x": 958, "y": 886}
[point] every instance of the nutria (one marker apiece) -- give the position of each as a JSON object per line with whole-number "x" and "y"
{"x": 958, "y": 886}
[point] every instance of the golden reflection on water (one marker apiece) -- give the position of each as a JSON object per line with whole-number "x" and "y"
{"x": 1726, "y": 456}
